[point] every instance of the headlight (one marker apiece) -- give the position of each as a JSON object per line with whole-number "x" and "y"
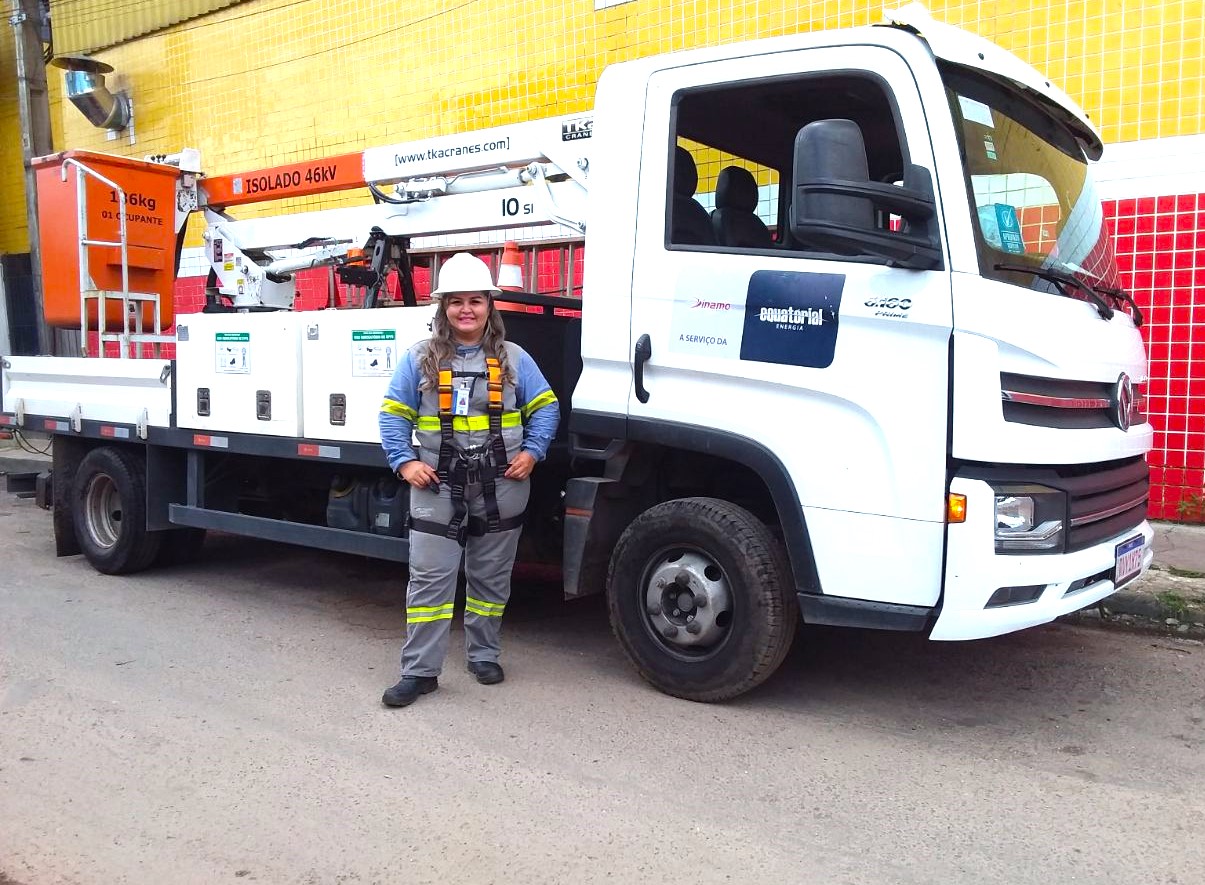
{"x": 1014, "y": 513}
{"x": 1029, "y": 518}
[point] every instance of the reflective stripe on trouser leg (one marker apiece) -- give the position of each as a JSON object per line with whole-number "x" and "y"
{"x": 488, "y": 560}
{"x": 431, "y": 593}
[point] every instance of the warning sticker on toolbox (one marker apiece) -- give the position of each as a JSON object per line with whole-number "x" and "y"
{"x": 233, "y": 353}
{"x": 373, "y": 353}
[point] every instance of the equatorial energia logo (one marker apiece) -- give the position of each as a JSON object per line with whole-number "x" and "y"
{"x": 791, "y": 318}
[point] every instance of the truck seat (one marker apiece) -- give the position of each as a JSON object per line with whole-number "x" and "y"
{"x": 690, "y": 224}
{"x": 735, "y": 220}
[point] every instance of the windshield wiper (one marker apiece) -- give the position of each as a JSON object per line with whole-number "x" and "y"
{"x": 1122, "y": 295}
{"x": 1061, "y": 278}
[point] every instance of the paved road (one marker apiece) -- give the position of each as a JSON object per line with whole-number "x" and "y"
{"x": 220, "y": 723}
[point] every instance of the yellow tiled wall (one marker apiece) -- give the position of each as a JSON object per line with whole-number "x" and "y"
{"x": 14, "y": 234}
{"x": 275, "y": 81}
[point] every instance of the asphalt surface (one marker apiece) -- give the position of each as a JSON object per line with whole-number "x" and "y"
{"x": 221, "y": 722}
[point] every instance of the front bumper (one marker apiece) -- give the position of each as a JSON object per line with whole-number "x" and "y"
{"x": 974, "y": 571}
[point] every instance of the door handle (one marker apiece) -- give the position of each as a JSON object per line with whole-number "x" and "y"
{"x": 644, "y": 350}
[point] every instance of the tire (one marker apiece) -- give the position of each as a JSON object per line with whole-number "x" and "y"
{"x": 179, "y": 546}
{"x": 734, "y": 575}
{"x": 108, "y": 510}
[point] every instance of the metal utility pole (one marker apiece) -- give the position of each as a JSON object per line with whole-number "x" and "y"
{"x": 34, "y": 107}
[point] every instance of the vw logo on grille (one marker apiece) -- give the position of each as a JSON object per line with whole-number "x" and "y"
{"x": 1123, "y": 399}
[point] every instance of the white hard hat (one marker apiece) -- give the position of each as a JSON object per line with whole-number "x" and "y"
{"x": 465, "y": 273}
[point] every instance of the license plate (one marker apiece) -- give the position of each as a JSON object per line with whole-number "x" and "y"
{"x": 1129, "y": 560}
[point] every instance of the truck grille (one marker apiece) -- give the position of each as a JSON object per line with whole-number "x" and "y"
{"x": 1106, "y": 502}
{"x": 1054, "y": 402}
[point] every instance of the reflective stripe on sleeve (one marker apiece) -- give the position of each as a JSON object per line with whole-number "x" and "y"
{"x": 483, "y": 608}
{"x": 399, "y": 410}
{"x": 538, "y": 403}
{"x": 463, "y": 425}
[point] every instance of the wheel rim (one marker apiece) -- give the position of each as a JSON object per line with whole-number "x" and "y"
{"x": 687, "y": 600}
{"x": 102, "y": 506}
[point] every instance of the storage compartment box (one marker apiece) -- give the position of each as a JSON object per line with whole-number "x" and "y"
{"x": 240, "y": 372}
{"x": 348, "y": 357}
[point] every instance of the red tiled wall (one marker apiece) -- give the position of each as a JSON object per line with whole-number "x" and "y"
{"x": 1160, "y": 245}
{"x": 188, "y": 297}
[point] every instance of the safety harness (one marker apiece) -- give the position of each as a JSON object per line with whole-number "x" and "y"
{"x": 461, "y": 466}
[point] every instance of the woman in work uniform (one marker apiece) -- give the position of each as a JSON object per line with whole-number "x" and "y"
{"x": 483, "y": 416}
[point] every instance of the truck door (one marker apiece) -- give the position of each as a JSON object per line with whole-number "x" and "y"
{"x": 836, "y": 364}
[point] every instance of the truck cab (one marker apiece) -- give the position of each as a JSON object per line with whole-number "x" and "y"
{"x": 861, "y": 286}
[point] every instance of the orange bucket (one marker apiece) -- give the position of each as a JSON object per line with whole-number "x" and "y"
{"x": 150, "y": 190}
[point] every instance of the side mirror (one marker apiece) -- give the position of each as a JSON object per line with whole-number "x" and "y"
{"x": 836, "y": 207}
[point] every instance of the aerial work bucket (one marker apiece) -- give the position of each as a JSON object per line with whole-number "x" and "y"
{"x": 79, "y": 213}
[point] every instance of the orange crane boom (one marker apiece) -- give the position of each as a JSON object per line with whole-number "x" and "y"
{"x": 303, "y": 179}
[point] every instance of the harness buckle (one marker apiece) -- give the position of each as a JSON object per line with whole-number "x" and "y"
{"x": 476, "y": 460}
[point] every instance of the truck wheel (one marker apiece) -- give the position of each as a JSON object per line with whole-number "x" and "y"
{"x": 108, "y": 507}
{"x": 179, "y": 546}
{"x": 701, "y": 598}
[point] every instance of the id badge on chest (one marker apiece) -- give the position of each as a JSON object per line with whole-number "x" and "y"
{"x": 460, "y": 401}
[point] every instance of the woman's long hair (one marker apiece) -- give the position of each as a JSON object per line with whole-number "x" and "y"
{"x": 442, "y": 346}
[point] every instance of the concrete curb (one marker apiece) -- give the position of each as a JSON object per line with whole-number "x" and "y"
{"x": 14, "y": 460}
{"x": 1161, "y": 600}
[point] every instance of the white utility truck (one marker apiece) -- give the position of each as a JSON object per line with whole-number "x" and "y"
{"x": 890, "y": 380}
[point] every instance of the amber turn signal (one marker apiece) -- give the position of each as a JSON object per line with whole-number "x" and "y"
{"x": 956, "y": 508}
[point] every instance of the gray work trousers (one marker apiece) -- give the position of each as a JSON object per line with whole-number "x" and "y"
{"x": 434, "y": 566}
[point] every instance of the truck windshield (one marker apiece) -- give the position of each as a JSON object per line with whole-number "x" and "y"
{"x": 1034, "y": 201}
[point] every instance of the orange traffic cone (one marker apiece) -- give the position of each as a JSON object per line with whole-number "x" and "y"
{"x": 510, "y": 272}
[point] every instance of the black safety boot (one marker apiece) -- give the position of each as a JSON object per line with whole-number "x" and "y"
{"x": 487, "y": 672}
{"x": 408, "y": 689}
